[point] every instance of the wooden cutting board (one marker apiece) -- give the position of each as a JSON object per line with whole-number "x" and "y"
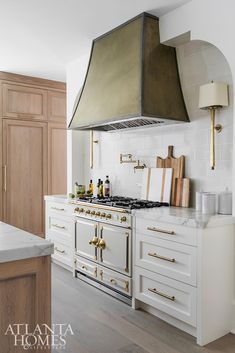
{"x": 177, "y": 164}
{"x": 182, "y": 192}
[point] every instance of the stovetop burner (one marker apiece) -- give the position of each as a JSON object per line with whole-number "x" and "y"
{"x": 124, "y": 202}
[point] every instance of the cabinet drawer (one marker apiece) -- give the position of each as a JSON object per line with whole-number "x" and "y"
{"x": 115, "y": 280}
{"x": 60, "y": 208}
{"x": 86, "y": 267}
{"x": 62, "y": 253}
{"x": 168, "y": 231}
{"x": 60, "y": 226}
{"x": 174, "y": 298}
{"x": 171, "y": 259}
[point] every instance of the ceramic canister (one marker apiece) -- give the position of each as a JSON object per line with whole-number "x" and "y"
{"x": 225, "y": 203}
{"x": 209, "y": 203}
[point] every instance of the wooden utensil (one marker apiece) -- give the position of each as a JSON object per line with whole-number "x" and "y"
{"x": 177, "y": 164}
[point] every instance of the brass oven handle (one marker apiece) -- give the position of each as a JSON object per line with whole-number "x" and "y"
{"x": 57, "y": 209}
{"x": 153, "y": 254}
{"x": 101, "y": 244}
{"x": 94, "y": 241}
{"x": 58, "y": 250}
{"x": 5, "y": 178}
{"x": 155, "y": 291}
{"x": 57, "y": 226}
{"x": 158, "y": 230}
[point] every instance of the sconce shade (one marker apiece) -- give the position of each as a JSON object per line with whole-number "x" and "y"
{"x": 213, "y": 94}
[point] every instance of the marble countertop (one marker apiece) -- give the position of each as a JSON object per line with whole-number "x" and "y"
{"x": 177, "y": 215}
{"x": 184, "y": 216}
{"x": 16, "y": 244}
{"x": 57, "y": 198}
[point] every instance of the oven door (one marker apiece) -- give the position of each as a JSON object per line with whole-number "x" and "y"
{"x": 86, "y": 239}
{"x": 115, "y": 248}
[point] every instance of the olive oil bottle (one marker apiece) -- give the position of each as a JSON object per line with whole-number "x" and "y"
{"x": 107, "y": 187}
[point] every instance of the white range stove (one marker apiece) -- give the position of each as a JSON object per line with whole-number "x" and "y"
{"x": 103, "y": 243}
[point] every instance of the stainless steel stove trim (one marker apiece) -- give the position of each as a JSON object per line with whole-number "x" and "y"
{"x": 95, "y": 205}
{"x": 103, "y": 287}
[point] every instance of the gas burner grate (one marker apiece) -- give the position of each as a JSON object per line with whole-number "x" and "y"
{"x": 124, "y": 202}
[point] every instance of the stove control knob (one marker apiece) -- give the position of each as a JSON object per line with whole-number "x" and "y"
{"x": 77, "y": 209}
{"x": 109, "y": 216}
{"x": 97, "y": 214}
{"x": 103, "y": 215}
{"x": 92, "y": 213}
{"x": 123, "y": 219}
{"x": 81, "y": 210}
{"x": 88, "y": 212}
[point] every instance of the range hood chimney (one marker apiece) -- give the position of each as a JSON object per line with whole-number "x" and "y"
{"x": 132, "y": 81}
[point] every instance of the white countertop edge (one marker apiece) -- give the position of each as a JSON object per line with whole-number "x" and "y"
{"x": 16, "y": 244}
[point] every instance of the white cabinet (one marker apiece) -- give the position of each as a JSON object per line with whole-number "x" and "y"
{"x": 60, "y": 229}
{"x": 185, "y": 274}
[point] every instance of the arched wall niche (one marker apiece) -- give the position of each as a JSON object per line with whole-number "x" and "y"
{"x": 201, "y": 62}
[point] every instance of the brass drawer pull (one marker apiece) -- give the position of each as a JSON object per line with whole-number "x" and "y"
{"x": 84, "y": 267}
{"x": 57, "y": 226}
{"x": 57, "y": 209}
{"x": 158, "y": 230}
{"x": 113, "y": 281}
{"x": 155, "y": 291}
{"x": 153, "y": 254}
{"x": 60, "y": 251}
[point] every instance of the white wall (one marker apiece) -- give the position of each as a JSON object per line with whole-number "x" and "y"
{"x": 198, "y": 63}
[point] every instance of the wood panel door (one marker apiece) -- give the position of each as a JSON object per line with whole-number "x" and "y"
{"x": 57, "y": 159}
{"x": 24, "y": 102}
{"x": 25, "y": 171}
{"x": 57, "y": 106}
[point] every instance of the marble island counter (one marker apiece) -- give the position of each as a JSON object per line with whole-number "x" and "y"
{"x": 25, "y": 282}
{"x": 16, "y": 244}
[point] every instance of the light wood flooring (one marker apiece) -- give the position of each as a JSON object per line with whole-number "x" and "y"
{"x": 102, "y": 324}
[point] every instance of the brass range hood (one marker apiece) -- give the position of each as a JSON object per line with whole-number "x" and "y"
{"x": 132, "y": 81}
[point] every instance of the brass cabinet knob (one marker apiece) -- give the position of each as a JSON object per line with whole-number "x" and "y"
{"x": 88, "y": 212}
{"x": 92, "y": 213}
{"x": 94, "y": 241}
{"x": 101, "y": 244}
{"x": 97, "y": 214}
{"x": 108, "y": 216}
{"x": 123, "y": 219}
{"x": 103, "y": 214}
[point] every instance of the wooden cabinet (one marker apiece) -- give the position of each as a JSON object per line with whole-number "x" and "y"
{"x": 25, "y": 174}
{"x": 24, "y": 102}
{"x": 57, "y": 106}
{"x": 57, "y": 159}
{"x": 33, "y": 150}
{"x": 25, "y": 297}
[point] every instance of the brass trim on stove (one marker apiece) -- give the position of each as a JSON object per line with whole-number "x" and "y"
{"x": 127, "y": 253}
{"x": 95, "y": 205}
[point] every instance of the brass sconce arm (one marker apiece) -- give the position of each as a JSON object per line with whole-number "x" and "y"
{"x": 92, "y": 141}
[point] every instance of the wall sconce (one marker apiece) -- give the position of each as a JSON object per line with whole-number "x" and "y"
{"x": 212, "y": 96}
